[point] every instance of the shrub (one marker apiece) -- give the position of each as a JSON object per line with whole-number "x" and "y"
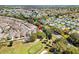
{"x": 74, "y": 39}
{"x": 33, "y": 37}
{"x": 41, "y": 35}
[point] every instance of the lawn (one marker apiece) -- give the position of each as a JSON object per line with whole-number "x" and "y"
{"x": 22, "y": 48}
{"x": 35, "y": 48}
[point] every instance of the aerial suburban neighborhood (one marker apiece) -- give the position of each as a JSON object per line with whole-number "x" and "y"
{"x": 39, "y": 29}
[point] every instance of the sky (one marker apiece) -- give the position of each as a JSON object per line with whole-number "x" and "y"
{"x": 38, "y": 6}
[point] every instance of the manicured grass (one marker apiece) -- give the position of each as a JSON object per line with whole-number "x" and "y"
{"x": 35, "y": 48}
{"x": 22, "y": 48}
{"x": 17, "y": 48}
